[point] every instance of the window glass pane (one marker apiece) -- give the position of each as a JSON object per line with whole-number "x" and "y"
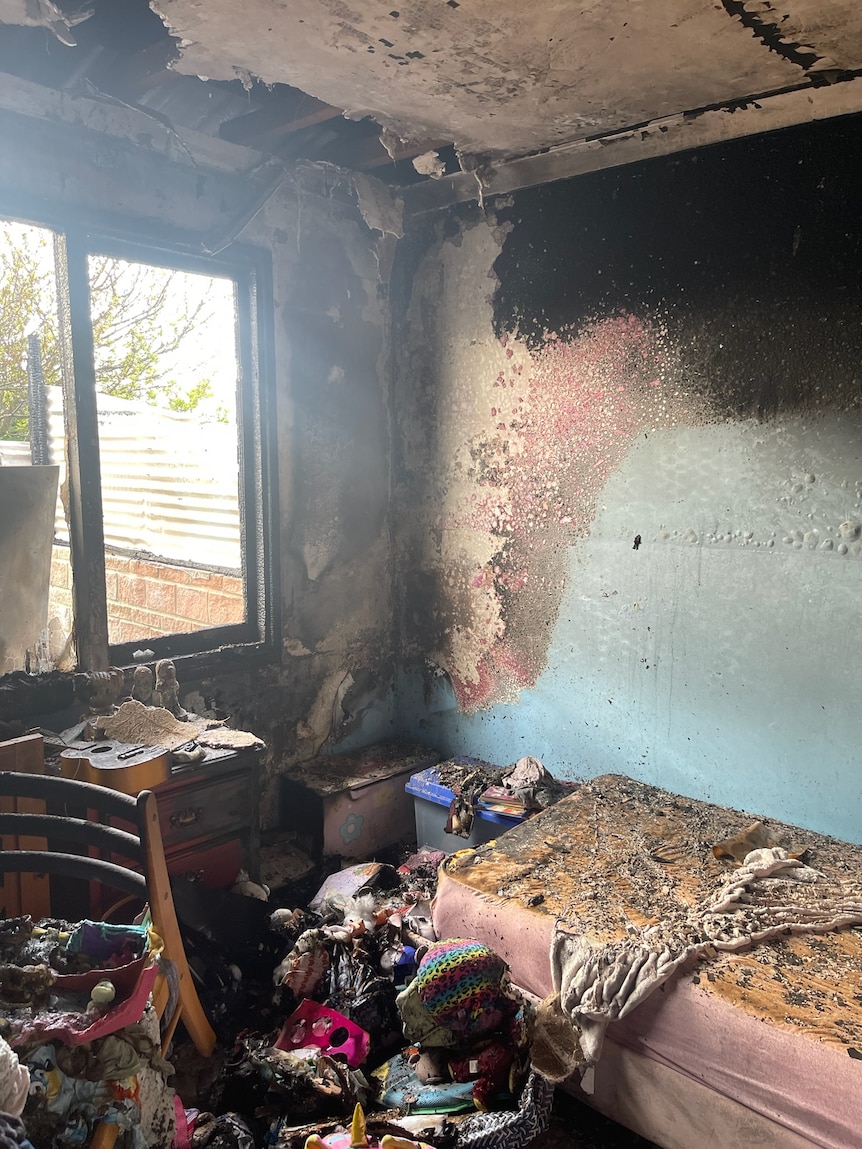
{"x": 35, "y": 577}
{"x": 166, "y": 380}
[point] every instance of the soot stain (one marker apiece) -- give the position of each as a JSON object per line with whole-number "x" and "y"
{"x": 750, "y": 252}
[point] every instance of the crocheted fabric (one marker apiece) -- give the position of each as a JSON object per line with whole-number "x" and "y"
{"x": 14, "y": 1081}
{"x": 459, "y": 982}
{"x": 511, "y": 1129}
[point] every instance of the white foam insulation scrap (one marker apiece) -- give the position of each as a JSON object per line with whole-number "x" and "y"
{"x": 430, "y": 164}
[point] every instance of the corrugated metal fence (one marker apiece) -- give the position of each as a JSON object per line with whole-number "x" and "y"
{"x": 169, "y": 481}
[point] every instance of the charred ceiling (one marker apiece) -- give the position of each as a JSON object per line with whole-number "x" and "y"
{"x": 505, "y": 79}
{"x": 456, "y": 97}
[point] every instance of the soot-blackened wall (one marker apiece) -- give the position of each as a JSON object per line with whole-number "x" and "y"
{"x": 630, "y": 476}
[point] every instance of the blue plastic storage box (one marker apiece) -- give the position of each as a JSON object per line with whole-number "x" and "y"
{"x": 431, "y": 803}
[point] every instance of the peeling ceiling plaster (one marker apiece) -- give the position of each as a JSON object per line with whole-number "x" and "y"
{"x": 42, "y": 14}
{"x": 833, "y": 29}
{"x": 508, "y": 78}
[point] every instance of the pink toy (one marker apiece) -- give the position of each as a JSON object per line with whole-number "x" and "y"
{"x": 313, "y": 1025}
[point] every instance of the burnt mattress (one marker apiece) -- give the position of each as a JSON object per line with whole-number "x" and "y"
{"x": 775, "y": 1028}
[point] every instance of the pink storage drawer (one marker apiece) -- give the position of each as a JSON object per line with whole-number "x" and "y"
{"x": 352, "y": 805}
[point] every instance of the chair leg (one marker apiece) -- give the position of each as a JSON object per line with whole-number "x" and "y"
{"x": 189, "y": 1008}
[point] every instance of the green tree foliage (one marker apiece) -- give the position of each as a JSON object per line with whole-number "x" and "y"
{"x": 27, "y": 305}
{"x": 141, "y": 317}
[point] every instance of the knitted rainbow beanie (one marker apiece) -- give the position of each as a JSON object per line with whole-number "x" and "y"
{"x": 459, "y": 983}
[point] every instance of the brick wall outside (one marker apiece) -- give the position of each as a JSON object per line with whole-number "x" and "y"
{"x": 147, "y": 599}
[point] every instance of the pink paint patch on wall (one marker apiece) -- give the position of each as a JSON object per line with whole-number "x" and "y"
{"x": 499, "y": 677}
{"x": 579, "y": 409}
{"x": 559, "y": 420}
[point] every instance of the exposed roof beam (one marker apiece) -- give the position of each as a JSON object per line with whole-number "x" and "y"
{"x": 145, "y": 70}
{"x": 28, "y": 100}
{"x": 408, "y": 151}
{"x": 369, "y": 153}
{"x": 53, "y": 152}
{"x": 277, "y": 119}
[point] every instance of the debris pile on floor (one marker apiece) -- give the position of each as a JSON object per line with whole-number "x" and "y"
{"x": 371, "y": 1023}
{"x": 343, "y": 1022}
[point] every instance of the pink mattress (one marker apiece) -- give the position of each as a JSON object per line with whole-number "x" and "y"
{"x": 777, "y": 1029}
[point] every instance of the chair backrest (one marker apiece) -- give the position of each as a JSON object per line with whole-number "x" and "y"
{"x": 76, "y": 814}
{"x": 131, "y": 860}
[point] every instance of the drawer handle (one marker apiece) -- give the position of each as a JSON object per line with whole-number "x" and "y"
{"x": 186, "y": 817}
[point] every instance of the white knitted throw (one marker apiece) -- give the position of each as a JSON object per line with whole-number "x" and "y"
{"x": 14, "y": 1081}
{"x": 768, "y": 896}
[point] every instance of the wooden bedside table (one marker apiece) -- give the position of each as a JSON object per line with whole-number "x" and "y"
{"x": 209, "y": 811}
{"x": 210, "y": 817}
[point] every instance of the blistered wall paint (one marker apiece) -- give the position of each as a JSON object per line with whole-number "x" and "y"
{"x": 631, "y": 474}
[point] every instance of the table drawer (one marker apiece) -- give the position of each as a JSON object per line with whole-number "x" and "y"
{"x": 205, "y": 811}
{"x": 212, "y": 864}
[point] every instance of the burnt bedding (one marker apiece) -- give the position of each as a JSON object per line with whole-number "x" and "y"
{"x": 778, "y": 1026}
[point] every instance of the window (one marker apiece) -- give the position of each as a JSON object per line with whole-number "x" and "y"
{"x": 138, "y": 372}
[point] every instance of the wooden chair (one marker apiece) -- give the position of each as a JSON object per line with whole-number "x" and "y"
{"x": 131, "y": 861}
